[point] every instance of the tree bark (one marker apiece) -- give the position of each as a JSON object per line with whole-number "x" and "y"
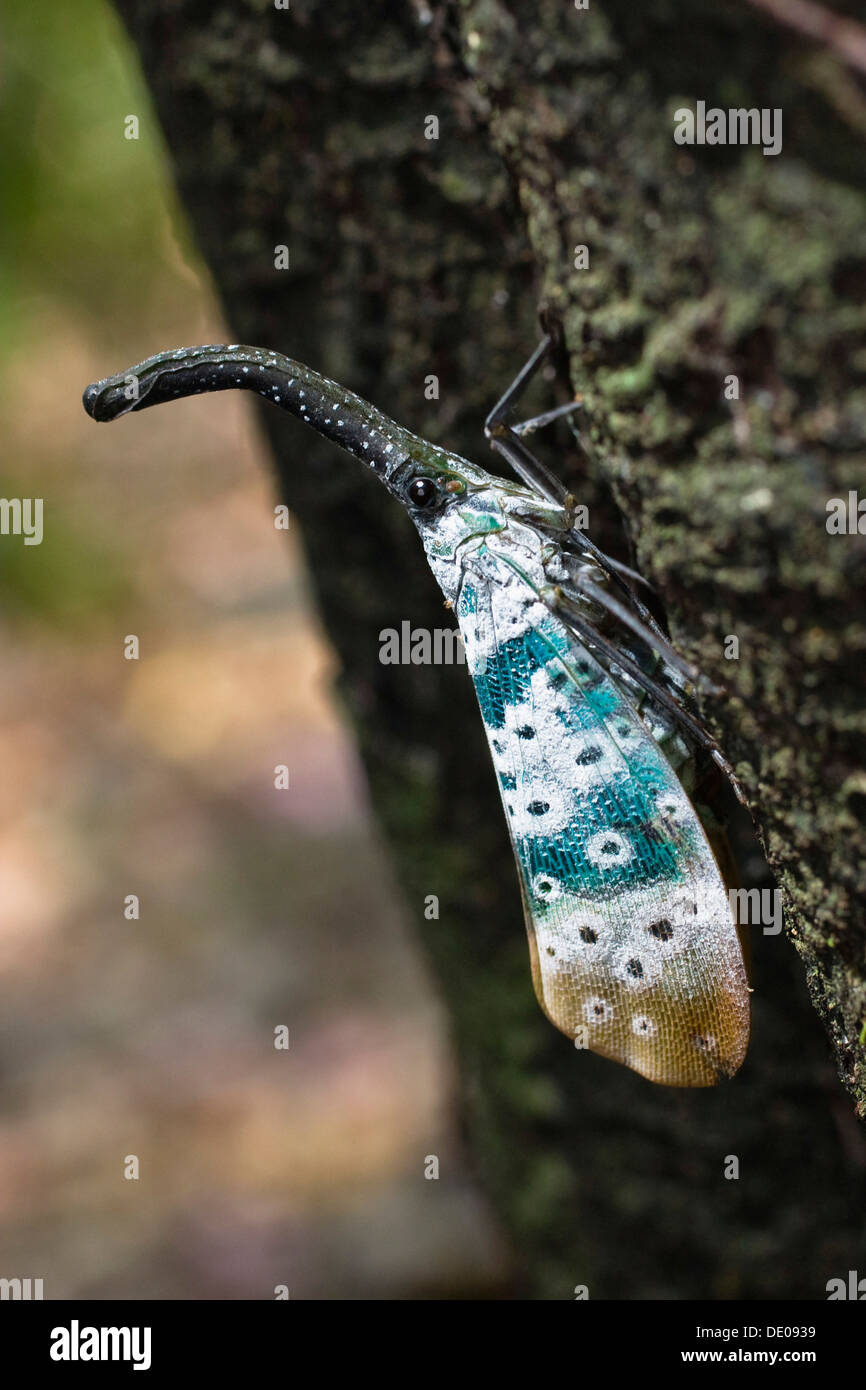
{"x": 410, "y": 256}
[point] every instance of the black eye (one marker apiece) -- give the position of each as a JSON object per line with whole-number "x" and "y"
{"x": 422, "y": 492}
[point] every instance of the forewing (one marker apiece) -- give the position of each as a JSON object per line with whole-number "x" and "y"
{"x": 634, "y": 950}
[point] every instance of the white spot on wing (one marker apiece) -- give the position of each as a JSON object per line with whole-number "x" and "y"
{"x": 546, "y": 887}
{"x": 597, "y": 1010}
{"x": 608, "y": 849}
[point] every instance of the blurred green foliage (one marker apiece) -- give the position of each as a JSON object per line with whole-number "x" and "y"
{"x": 75, "y": 579}
{"x": 70, "y": 229}
{"x": 93, "y": 246}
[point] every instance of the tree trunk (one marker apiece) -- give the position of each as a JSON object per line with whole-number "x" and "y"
{"x": 411, "y": 256}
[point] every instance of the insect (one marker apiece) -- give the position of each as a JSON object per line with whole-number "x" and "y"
{"x": 633, "y": 946}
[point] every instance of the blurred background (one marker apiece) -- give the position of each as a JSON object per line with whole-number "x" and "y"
{"x": 259, "y": 908}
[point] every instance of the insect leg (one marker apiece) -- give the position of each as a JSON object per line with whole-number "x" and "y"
{"x": 654, "y": 640}
{"x": 518, "y": 386}
{"x": 505, "y": 439}
{"x": 536, "y": 476}
{"x": 587, "y": 633}
{"x": 539, "y": 421}
{"x": 530, "y": 470}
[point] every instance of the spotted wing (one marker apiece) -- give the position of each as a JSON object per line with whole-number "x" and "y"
{"x": 634, "y": 950}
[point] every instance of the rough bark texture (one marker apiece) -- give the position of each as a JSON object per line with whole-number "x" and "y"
{"x": 412, "y": 256}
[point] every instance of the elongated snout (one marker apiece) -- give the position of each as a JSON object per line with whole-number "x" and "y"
{"x": 331, "y": 410}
